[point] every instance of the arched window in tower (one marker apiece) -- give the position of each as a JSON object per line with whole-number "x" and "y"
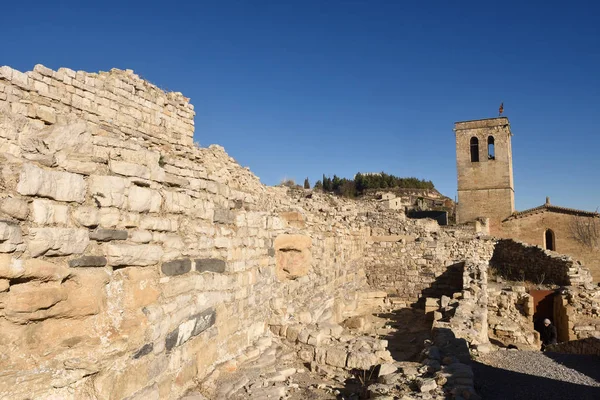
{"x": 474, "y": 149}
{"x": 550, "y": 240}
{"x": 491, "y": 152}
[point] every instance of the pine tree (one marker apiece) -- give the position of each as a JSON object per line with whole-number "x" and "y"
{"x": 306, "y": 184}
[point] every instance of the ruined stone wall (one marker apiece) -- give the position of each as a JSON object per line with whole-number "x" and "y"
{"x": 131, "y": 262}
{"x": 116, "y": 100}
{"x": 532, "y": 228}
{"x": 577, "y": 313}
{"x": 519, "y": 261}
{"x": 421, "y": 259}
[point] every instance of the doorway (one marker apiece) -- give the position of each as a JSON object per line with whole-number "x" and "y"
{"x": 543, "y": 307}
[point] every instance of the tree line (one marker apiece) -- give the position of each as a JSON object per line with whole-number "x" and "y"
{"x": 362, "y": 182}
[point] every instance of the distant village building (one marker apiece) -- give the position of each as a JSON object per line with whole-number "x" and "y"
{"x": 486, "y": 193}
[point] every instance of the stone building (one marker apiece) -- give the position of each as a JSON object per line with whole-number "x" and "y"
{"x": 486, "y": 191}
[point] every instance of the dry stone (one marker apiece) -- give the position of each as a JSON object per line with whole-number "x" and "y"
{"x": 46, "y": 212}
{"x": 132, "y": 255}
{"x": 16, "y": 208}
{"x": 62, "y": 186}
{"x": 108, "y": 191}
{"x": 144, "y": 200}
{"x": 10, "y": 236}
{"x": 57, "y": 241}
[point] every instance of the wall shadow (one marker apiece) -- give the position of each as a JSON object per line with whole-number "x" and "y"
{"x": 446, "y": 284}
{"x": 494, "y": 383}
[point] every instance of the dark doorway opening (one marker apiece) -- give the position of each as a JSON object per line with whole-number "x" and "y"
{"x": 543, "y": 306}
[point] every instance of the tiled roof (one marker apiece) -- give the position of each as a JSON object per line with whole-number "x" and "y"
{"x": 552, "y": 208}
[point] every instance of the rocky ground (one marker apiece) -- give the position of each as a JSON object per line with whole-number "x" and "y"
{"x": 531, "y": 375}
{"x": 273, "y": 370}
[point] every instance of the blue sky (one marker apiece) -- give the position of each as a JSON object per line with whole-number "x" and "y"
{"x": 295, "y": 89}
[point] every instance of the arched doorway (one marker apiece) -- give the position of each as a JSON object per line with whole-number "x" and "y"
{"x": 550, "y": 240}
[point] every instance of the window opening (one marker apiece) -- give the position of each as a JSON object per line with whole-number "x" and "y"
{"x": 474, "y": 149}
{"x": 491, "y": 152}
{"x": 550, "y": 240}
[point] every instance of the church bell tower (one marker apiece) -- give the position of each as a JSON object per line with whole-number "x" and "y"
{"x": 484, "y": 170}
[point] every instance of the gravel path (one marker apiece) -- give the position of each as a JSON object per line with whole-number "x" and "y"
{"x": 512, "y": 374}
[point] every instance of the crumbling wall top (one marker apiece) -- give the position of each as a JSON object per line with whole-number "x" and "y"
{"x": 116, "y": 100}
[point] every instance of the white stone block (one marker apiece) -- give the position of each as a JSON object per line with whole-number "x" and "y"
{"x": 46, "y": 212}
{"x": 129, "y": 169}
{"x": 87, "y": 216}
{"x": 128, "y": 254}
{"x": 108, "y": 191}
{"x": 62, "y": 186}
{"x": 142, "y": 199}
{"x": 57, "y": 241}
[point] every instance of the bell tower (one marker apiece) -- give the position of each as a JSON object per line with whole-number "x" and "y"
{"x": 484, "y": 170}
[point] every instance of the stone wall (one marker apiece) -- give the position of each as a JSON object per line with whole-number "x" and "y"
{"x": 420, "y": 259}
{"x": 118, "y": 101}
{"x": 131, "y": 262}
{"x": 577, "y": 313}
{"x": 518, "y": 261}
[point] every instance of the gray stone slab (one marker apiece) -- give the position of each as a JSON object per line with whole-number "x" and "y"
{"x": 88, "y": 261}
{"x": 176, "y": 267}
{"x": 210, "y": 265}
{"x": 106, "y": 235}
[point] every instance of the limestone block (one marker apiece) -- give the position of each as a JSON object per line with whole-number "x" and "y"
{"x": 132, "y": 255}
{"x": 158, "y": 224}
{"x": 293, "y": 256}
{"x": 57, "y": 241}
{"x": 16, "y": 208}
{"x": 223, "y": 216}
{"x": 10, "y": 236}
{"x": 32, "y": 268}
{"x": 129, "y": 169}
{"x": 62, "y": 186}
{"x": 336, "y": 357}
{"x": 109, "y": 217}
{"x": 142, "y": 199}
{"x": 130, "y": 220}
{"x": 108, "y": 191}
{"x": 361, "y": 360}
{"x": 86, "y": 294}
{"x": 140, "y": 236}
{"x": 46, "y": 212}
{"x": 176, "y": 202}
{"x": 87, "y": 216}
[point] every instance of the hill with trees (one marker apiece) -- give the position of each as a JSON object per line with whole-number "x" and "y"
{"x": 363, "y": 182}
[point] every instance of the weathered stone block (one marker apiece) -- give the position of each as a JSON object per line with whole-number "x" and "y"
{"x": 129, "y": 169}
{"x": 176, "y": 267}
{"x": 108, "y": 191}
{"x": 210, "y": 265}
{"x": 177, "y": 203}
{"x": 127, "y": 254}
{"x": 57, "y": 241}
{"x": 336, "y": 357}
{"x": 16, "y": 208}
{"x": 224, "y": 216}
{"x": 62, "y": 186}
{"x": 158, "y": 224}
{"x": 195, "y": 325}
{"x": 87, "y": 216}
{"x": 10, "y": 236}
{"x": 46, "y": 212}
{"x": 106, "y": 235}
{"x": 142, "y": 199}
{"x": 31, "y": 268}
{"x": 88, "y": 261}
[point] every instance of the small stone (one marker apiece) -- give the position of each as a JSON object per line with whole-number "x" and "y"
{"x": 88, "y": 261}
{"x": 426, "y": 384}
